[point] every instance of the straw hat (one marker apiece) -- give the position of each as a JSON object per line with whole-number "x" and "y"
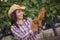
{"x": 13, "y": 8}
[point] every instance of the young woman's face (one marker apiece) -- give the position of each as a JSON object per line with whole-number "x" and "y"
{"x": 19, "y": 14}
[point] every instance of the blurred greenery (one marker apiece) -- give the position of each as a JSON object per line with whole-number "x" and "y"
{"x": 52, "y": 8}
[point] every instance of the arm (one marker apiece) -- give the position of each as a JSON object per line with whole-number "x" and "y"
{"x": 37, "y": 21}
{"x": 18, "y": 32}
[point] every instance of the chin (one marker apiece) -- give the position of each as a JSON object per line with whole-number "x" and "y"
{"x": 20, "y": 18}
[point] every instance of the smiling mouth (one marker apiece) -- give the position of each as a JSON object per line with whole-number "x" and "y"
{"x": 20, "y": 15}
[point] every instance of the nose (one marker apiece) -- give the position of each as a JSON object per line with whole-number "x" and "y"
{"x": 21, "y": 13}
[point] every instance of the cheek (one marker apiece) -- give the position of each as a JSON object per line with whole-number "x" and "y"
{"x": 19, "y": 15}
{"x": 16, "y": 14}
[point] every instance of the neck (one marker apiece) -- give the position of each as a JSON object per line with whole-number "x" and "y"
{"x": 20, "y": 21}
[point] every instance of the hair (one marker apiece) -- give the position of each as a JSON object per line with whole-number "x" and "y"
{"x": 14, "y": 18}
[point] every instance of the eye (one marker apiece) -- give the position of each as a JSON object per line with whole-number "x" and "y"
{"x": 19, "y": 11}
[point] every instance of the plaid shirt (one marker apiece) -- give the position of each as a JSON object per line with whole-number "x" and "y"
{"x": 24, "y": 31}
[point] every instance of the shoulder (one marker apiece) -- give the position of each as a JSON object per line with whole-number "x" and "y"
{"x": 29, "y": 19}
{"x": 13, "y": 27}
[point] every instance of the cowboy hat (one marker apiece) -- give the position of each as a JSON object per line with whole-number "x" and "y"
{"x": 13, "y": 8}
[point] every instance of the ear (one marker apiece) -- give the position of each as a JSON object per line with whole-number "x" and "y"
{"x": 41, "y": 14}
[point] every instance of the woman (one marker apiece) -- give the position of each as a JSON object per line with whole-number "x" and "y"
{"x": 22, "y": 28}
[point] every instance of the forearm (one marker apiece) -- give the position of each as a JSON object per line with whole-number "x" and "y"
{"x": 20, "y": 34}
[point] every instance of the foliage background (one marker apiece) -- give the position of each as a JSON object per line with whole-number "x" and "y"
{"x": 32, "y": 8}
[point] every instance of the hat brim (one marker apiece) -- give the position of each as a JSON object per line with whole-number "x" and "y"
{"x": 22, "y": 7}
